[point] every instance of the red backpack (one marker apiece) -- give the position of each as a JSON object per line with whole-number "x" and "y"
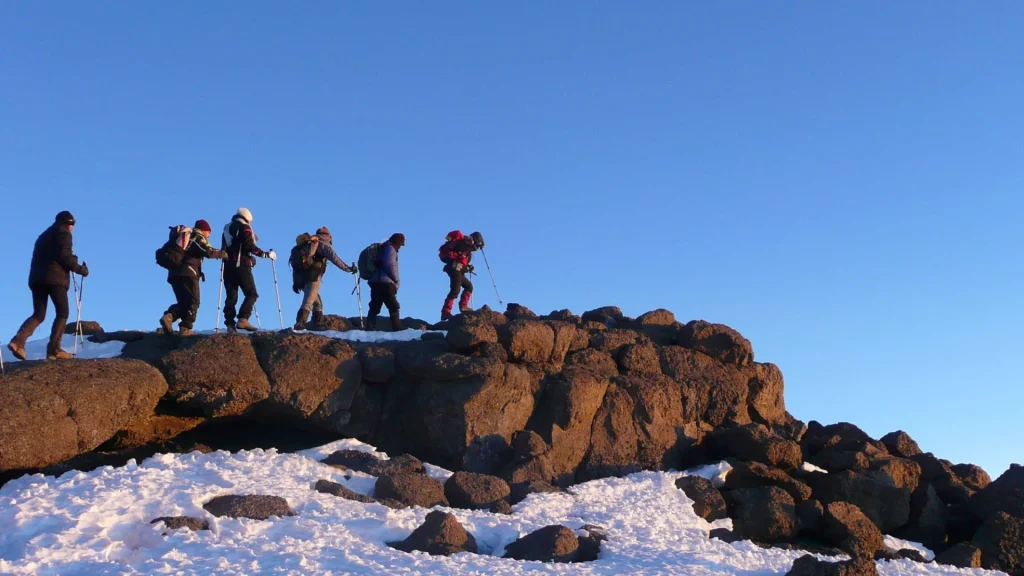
{"x": 447, "y": 252}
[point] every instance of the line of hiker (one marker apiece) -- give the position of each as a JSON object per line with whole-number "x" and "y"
{"x": 182, "y": 255}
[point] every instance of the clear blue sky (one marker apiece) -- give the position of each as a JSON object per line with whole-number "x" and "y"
{"x": 839, "y": 181}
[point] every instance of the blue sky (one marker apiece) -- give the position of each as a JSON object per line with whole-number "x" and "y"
{"x": 839, "y": 181}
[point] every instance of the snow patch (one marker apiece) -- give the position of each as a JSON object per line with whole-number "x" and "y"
{"x": 36, "y": 349}
{"x": 895, "y": 544}
{"x": 808, "y": 467}
{"x": 716, "y": 473}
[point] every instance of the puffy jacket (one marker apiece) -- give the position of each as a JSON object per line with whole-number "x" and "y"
{"x": 239, "y": 242}
{"x": 192, "y": 264}
{"x": 387, "y": 271}
{"x": 53, "y": 259}
{"x": 458, "y": 249}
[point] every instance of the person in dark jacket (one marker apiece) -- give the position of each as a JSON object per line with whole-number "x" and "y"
{"x": 185, "y": 279}
{"x": 456, "y": 253}
{"x": 239, "y": 242}
{"x": 385, "y": 283}
{"x": 310, "y": 277}
{"x": 53, "y": 261}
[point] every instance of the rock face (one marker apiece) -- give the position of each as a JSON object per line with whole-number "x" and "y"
{"x": 308, "y": 372}
{"x": 707, "y": 500}
{"x": 215, "y": 376}
{"x": 255, "y": 507}
{"x": 900, "y": 443}
{"x": 549, "y": 544}
{"x": 439, "y": 535}
{"x": 50, "y": 412}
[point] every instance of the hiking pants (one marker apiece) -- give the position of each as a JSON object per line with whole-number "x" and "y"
{"x": 384, "y": 294}
{"x": 311, "y": 300}
{"x": 40, "y": 294}
{"x": 235, "y": 278}
{"x": 458, "y": 280}
{"x": 186, "y": 292}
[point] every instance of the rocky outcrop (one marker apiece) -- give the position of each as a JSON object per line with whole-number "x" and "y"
{"x": 214, "y": 376}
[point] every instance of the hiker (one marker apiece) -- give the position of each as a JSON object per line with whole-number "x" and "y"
{"x": 456, "y": 252}
{"x": 184, "y": 278}
{"x": 53, "y": 262}
{"x": 385, "y": 282}
{"x": 239, "y": 242}
{"x": 309, "y": 264}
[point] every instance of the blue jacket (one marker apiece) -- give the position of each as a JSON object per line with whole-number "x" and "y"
{"x": 387, "y": 271}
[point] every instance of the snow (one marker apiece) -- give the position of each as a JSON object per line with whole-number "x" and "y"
{"x": 716, "y": 473}
{"x": 406, "y": 335}
{"x": 98, "y": 523}
{"x": 808, "y": 467}
{"x": 895, "y": 544}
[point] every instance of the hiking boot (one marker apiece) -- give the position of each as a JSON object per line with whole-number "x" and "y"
{"x": 167, "y": 323}
{"x": 18, "y": 350}
{"x": 445, "y": 316}
{"x": 59, "y": 355}
{"x": 231, "y": 329}
{"x": 465, "y": 309}
{"x": 182, "y": 331}
{"x": 243, "y": 324}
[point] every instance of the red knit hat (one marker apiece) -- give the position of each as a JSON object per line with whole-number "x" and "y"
{"x": 203, "y": 226}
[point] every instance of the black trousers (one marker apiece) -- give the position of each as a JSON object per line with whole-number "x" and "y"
{"x": 40, "y": 295}
{"x": 457, "y": 281}
{"x": 384, "y": 294}
{"x": 186, "y": 292}
{"x": 236, "y": 278}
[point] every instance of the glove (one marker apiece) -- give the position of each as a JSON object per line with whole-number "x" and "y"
{"x": 83, "y": 270}
{"x": 355, "y": 269}
{"x": 296, "y": 290}
{"x": 270, "y": 254}
{"x": 470, "y": 268}
{"x": 202, "y": 276}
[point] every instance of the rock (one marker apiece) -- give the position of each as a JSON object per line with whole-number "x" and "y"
{"x": 1001, "y": 540}
{"x": 658, "y": 325}
{"x": 527, "y": 444}
{"x": 535, "y": 468}
{"x": 1005, "y": 494}
{"x": 178, "y": 522}
{"x": 753, "y": 443}
{"x": 411, "y": 489}
{"x": 961, "y": 555}
{"x": 961, "y": 524}
{"x": 846, "y": 526}
{"x": 716, "y": 340}
{"x": 486, "y": 454}
{"x": 369, "y": 464}
{"x": 520, "y": 490}
{"x": 901, "y": 554}
{"x": 928, "y": 519}
{"x": 725, "y": 535}
{"x": 119, "y": 336}
{"x": 527, "y": 341}
{"x": 766, "y": 514}
{"x": 501, "y": 507}
{"x": 715, "y": 392}
{"x": 255, "y": 507}
{"x": 467, "y": 337}
{"x": 52, "y": 411}
{"x": 590, "y": 542}
{"x": 475, "y": 491}
{"x": 335, "y": 489}
{"x": 836, "y": 458}
{"x": 755, "y": 474}
{"x": 640, "y": 359}
{"x": 765, "y": 397}
{"x": 378, "y": 364}
{"x": 565, "y": 336}
{"x": 596, "y": 361}
{"x": 972, "y": 476}
{"x": 519, "y": 312}
{"x": 439, "y": 535}
{"x": 899, "y": 472}
{"x": 790, "y": 428}
{"x": 931, "y": 467}
{"x": 607, "y": 315}
{"x": 549, "y": 544}
{"x": 810, "y": 514}
{"x": 333, "y": 323}
{"x": 89, "y": 328}
{"x": 564, "y": 315}
{"x": 819, "y": 437}
{"x": 810, "y": 566}
{"x": 613, "y": 341}
{"x": 580, "y": 340}
{"x": 215, "y": 376}
{"x": 899, "y": 443}
{"x": 707, "y": 500}
{"x": 886, "y": 505}
{"x": 309, "y": 373}
{"x": 152, "y": 430}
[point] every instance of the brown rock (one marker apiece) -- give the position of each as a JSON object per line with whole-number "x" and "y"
{"x": 439, "y": 535}
{"x": 613, "y": 341}
{"x": 469, "y": 336}
{"x": 899, "y": 443}
{"x": 475, "y": 491}
{"x": 640, "y": 359}
{"x": 306, "y": 371}
{"x": 154, "y": 429}
{"x": 527, "y": 341}
{"x": 1001, "y": 540}
{"x": 766, "y": 514}
{"x": 177, "y": 522}
{"x": 847, "y": 527}
{"x": 411, "y": 489}
{"x": 519, "y": 312}
{"x": 810, "y": 514}
{"x": 378, "y": 364}
{"x": 929, "y": 519}
{"x": 88, "y": 328}
{"x": 972, "y": 476}
{"x": 886, "y": 505}
{"x": 707, "y": 500}
{"x": 606, "y": 315}
{"x": 255, "y": 507}
{"x": 565, "y": 335}
{"x": 714, "y": 392}
{"x": 810, "y": 566}
{"x": 753, "y": 443}
{"x": 961, "y": 555}
{"x": 521, "y": 490}
{"x": 1005, "y": 494}
{"x": 335, "y": 489}
{"x": 716, "y": 340}
{"x": 215, "y": 376}
{"x": 767, "y": 403}
{"x": 755, "y": 474}
{"x": 549, "y": 544}
{"x": 596, "y": 361}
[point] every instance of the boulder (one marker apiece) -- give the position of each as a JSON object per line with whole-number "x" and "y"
{"x": 564, "y": 315}
{"x": 468, "y": 337}
{"x": 500, "y": 507}
{"x": 888, "y": 506}
{"x": 765, "y": 397}
{"x": 475, "y": 491}
{"x": 972, "y": 476}
{"x": 534, "y": 468}
{"x": 753, "y": 443}
{"x": 153, "y": 429}
{"x": 520, "y": 490}
{"x": 755, "y": 475}
{"x": 580, "y": 340}
{"x": 658, "y": 325}
{"x": 1005, "y": 494}
{"x": 961, "y": 555}
{"x": 1001, "y": 540}
{"x": 52, "y": 411}
{"x": 707, "y": 500}
{"x": 819, "y": 437}
{"x": 411, "y": 489}
{"x": 527, "y": 341}
{"x": 214, "y": 376}
{"x": 841, "y": 457}
{"x": 549, "y": 544}
{"x": 929, "y": 519}
{"x": 810, "y": 566}
{"x": 333, "y": 323}
{"x": 335, "y": 489}
{"x": 725, "y": 535}
{"x": 306, "y": 371}
{"x": 713, "y": 392}
{"x": 790, "y": 428}
{"x": 810, "y": 514}
{"x": 178, "y": 522}
{"x": 899, "y": 443}
{"x": 716, "y": 340}
{"x": 590, "y": 542}
{"x": 486, "y": 454}
{"x": 118, "y": 336}
{"x": 254, "y": 507}
{"x": 899, "y": 472}
{"x": 565, "y": 335}
{"x": 613, "y": 341}
{"x": 88, "y": 328}
{"x": 378, "y": 364}
{"x": 931, "y": 467}
{"x": 439, "y": 535}
{"x": 366, "y": 463}
{"x": 640, "y": 360}
{"x": 527, "y": 444}
{"x": 595, "y": 361}
{"x": 766, "y": 514}
{"x": 846, "y": 526}
{"x": 519, "y": 312}
{"x": 607, "y": 315}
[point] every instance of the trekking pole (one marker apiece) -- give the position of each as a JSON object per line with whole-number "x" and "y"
{"x": 277, "y": 291}
{"x": 220, "y": 291}
{"x": 79, "y": 287}
{"x": 495, "y": 284}
{"x": 359, "y": 300}
{"x": 258, "y": 323}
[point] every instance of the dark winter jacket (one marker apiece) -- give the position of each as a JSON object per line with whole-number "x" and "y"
{"x": 192, "y": 264}
{"x": 387, "y": 271}
{"x": 239, "y": 242}
{"x": 53, "y": 259}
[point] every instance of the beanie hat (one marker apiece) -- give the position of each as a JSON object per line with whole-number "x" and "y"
{"x": 203, "y": 226}
{"x": 244, "y": 213}
{"x": 398, "y": 239}
{"x": 65, "y": 218}
{"x": 323, "y": 231}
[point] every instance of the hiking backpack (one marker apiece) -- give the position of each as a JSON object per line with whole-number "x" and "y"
{"x": 303, "y": 256}
{"x": 172, "y": 253}
{"x": 369, "y": 261}
{"x": 447, "y": 252}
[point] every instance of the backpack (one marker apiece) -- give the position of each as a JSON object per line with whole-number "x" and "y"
{"x": 369, "y": 261}
{"x": 447, "y": 252}
{"x": 172, "y": 253}
{"x": 303, "y": 256}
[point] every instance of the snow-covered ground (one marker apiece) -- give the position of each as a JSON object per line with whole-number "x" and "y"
{"x": 36, "y": 349}
{"x": 99, "y": 523}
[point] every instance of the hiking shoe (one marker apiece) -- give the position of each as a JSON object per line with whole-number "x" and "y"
{"x": 185, "y": 331}
{"x": 299, "y": 326}
{"x": 243, "y": 324}
{"x": 17, "y": 350}
{"x": 59, "y": 355}
{"x": 231, "y": 329}
{"x": 167, "y": 323}
{"x": 465, "y": 309}
{"x": 445, "y": 316}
